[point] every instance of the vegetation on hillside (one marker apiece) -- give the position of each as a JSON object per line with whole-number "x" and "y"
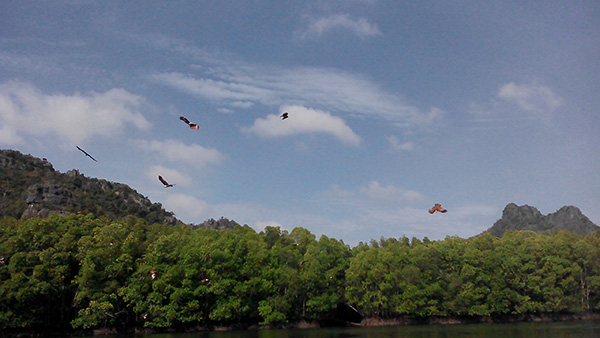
{"x": 30, "y": 186}
{"x": 83, "y": 272}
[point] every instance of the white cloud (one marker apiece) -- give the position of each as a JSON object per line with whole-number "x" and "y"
{"x": 400, "y": 146}
{"x": 187, "y": 208}
{"x": 304, "y": 120}
{"x": 176, "y": 151}
{"x": 25, "y": 110}
{"x": 371, "y": 195}
{"x": 376, "y": 192}
{"x": 8, "y": 135}
{"x": 531, "y": 98}
{"x": 361, "y": 27}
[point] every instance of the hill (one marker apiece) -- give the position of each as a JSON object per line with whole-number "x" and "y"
{"x": 32, "y": 188}
{"x": 525, "y": 217}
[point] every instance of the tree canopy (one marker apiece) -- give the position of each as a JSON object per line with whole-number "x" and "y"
{"x": 85, "y": 272}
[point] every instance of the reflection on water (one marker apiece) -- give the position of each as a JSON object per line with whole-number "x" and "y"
{"x": 520, "y": 330}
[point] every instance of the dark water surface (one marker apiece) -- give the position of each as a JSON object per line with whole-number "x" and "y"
{"x": 583, "y": 329}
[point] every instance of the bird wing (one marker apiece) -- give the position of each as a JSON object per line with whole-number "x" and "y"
{"x": 86, "y": 153}
{"x": 437, "y": 207}
{"x": 162, "y": 180}
{"x": 83, "y": 151}
{"x": 184, "y": 119}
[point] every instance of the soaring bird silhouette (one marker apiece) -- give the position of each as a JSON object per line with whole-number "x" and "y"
{"x": 284, "y": 116}
{"x": 163, "y": 181}
{"x": 437, "y": 207}
{"x": 192, "y": 125}
{"x": 86, "y": 154}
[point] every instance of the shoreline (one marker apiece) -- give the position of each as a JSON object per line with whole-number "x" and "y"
{"x": 498, "y": 319}
{"x": 303, "y": 324}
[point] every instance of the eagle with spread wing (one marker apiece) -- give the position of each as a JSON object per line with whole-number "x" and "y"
{"x": 164, "y": 182}
{"x": 192, "y": 125}
{"x": 437, "y": 207}
{"x": 284, "y": 115}
{"x": 86, "y": 154}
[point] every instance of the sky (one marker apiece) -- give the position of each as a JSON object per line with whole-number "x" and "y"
{"x": 393, "y": 106}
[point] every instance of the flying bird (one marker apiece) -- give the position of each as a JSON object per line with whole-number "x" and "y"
{"x": 163, "y": 181}
{"x": 86, "y": 154}
{"x": 437, "y": 207}
{"x": 284, "y": 116}
{"x": 192, "y": 125}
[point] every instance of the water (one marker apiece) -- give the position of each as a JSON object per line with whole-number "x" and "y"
{"x": 584, "y": 329}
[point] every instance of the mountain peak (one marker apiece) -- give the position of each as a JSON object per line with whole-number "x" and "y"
{"x": 526, "y": 217}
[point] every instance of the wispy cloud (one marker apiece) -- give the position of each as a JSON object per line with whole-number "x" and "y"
{"x": 400, "y": 146}
{"x": 376, "y": 192}
{"x": 360, "y": 27}
{"x": 25, "y": 110}
{"x": 372, "y": 195}
{"x": 530, "y": 97}
{"x": 515, "y": 102}
{"x": 304, "y": 120}
{"x": 225, "y": 80}
{"x": 176, "y": 151}
{"x": 322, "y": 88}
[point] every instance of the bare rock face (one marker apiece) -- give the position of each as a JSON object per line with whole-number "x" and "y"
{"x": 525, "y": 217}
{"x": 570, "y": 218}
{"x": 221, "y": 224}
{"x": 50, "y": 193}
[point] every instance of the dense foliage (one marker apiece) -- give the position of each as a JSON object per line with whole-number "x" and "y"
{"x": 84, "y": 272}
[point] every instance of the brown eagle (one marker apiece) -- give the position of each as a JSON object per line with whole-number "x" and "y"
{"x": 163, "y": 181}
{"x": 284, "y": 116}
{"x": 192, "y": 125}
{"x": 437, "y": 207}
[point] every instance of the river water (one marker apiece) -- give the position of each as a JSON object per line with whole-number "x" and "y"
{"x": 582, "y": 329}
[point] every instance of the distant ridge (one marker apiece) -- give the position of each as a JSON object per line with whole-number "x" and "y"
{"x": 526, "y": 217}
{"x": 30, "y": 187}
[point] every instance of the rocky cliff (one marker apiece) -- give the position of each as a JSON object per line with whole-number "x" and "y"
{"x": 525, "y": 217}
{"x": 30, "y": 187}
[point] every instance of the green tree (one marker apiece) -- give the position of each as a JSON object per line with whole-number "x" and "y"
{"x": 39, "y": 262}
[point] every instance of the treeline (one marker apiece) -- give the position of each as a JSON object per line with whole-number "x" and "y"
{"x": 83, "y": 272}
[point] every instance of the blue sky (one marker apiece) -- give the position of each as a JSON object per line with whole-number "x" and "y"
{"x": 394, "y": 106}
